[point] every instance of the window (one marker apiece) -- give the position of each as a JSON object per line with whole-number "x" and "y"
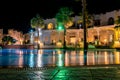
{"x": 110, "y": 21}
{"x": 50, "y": 26}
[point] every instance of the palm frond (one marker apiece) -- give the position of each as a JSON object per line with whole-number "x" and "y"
{"x": 37, "y": 22}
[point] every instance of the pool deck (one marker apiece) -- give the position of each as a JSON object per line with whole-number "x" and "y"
{"x": 62, "y": 73}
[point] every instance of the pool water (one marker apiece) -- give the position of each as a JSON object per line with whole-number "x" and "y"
{"x": 56, "y": 57}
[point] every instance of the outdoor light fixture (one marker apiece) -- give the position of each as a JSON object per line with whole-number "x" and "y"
{"x": 60, "y": 27}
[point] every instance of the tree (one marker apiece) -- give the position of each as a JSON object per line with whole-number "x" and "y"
{"x": 117, "y": 22}
{"x": 88, "y": 19}
{"x": 64, "y": 16}
{"x": 84, "y": 23}
{"x": 85, "y": 30}
{"x": 6, "y": 40}
{"x": 37, "y": 22}
{"x": 64, "y": 20}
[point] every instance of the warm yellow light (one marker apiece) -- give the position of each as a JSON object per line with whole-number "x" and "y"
{"x": 59, "y": 44}
{"x": 59, "y": 52}
{"x": 68, "y": 24}
{"x": 50, "y": 26}
{"x": 105, "y": 40}
{"x": 41, "y": 44}
{"x": 73, "y": 40}
{"x": 116, "y": 57}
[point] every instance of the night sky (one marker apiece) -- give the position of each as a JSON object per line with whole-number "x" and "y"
{"x": 16, "y": 14}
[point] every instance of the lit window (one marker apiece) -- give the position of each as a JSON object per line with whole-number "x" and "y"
{"x": 50, "y": 26}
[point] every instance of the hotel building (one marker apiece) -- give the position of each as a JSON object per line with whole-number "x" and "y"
{"x": 101, "y": 32}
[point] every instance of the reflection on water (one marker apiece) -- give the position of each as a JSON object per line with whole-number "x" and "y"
{"x": 60, "y": 58}
{"x": 57, "y": 57}
{"x": 39, "y": 59}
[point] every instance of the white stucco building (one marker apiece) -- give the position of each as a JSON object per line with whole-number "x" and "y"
{"x": 102, "y": 29}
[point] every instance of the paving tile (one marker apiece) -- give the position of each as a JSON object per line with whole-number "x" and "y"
{"x": 80, "y": 78}
{"x": 61, "y": 74}
{"x": 3, "y": 77}
{"x": 61, "y": 78}
{"x": 101, "y": 78}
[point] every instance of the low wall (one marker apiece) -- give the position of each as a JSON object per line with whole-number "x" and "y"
{"x": 18, "y": 46}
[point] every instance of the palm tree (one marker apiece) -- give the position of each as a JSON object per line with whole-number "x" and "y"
{"x": 85, "y": 30}
{"x": 37, "y": 22}
{"x": 63, "y": 18}
{"x": 88, "y": 19}
{"x": 84, "y": 22}
{"x": 8, "y": 40}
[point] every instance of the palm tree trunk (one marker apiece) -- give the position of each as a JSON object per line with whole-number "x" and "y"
{"x": 85, "y": 31}
{"x": 64, "y": 37}
{"x": 84, "y": 24}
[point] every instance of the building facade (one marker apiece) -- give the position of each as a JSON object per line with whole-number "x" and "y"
{"x": 101, "y": 33}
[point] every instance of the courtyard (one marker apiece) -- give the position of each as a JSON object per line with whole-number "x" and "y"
{"x": 62, "y": 73}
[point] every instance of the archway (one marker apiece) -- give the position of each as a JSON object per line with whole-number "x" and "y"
{"x": 110, "y": 21}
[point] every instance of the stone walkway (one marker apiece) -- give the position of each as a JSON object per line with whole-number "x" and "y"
{"x": 65, "y": 73}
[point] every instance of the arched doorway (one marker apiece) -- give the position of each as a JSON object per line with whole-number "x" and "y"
{"x": 110, "y": 21}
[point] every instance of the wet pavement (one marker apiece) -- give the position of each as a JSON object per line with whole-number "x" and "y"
{"x": 61, "y": 73}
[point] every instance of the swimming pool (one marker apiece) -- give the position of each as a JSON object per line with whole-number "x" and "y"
{"x": 56, "y": 57}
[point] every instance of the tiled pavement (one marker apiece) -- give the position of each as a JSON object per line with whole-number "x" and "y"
{"x": 65, "y": 73}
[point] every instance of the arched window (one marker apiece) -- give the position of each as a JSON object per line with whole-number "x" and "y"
{"x": 50, "y": 26}
{"x": 110, "y": 21}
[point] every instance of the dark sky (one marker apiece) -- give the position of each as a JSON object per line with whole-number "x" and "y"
{"x": 17, "y": 13}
